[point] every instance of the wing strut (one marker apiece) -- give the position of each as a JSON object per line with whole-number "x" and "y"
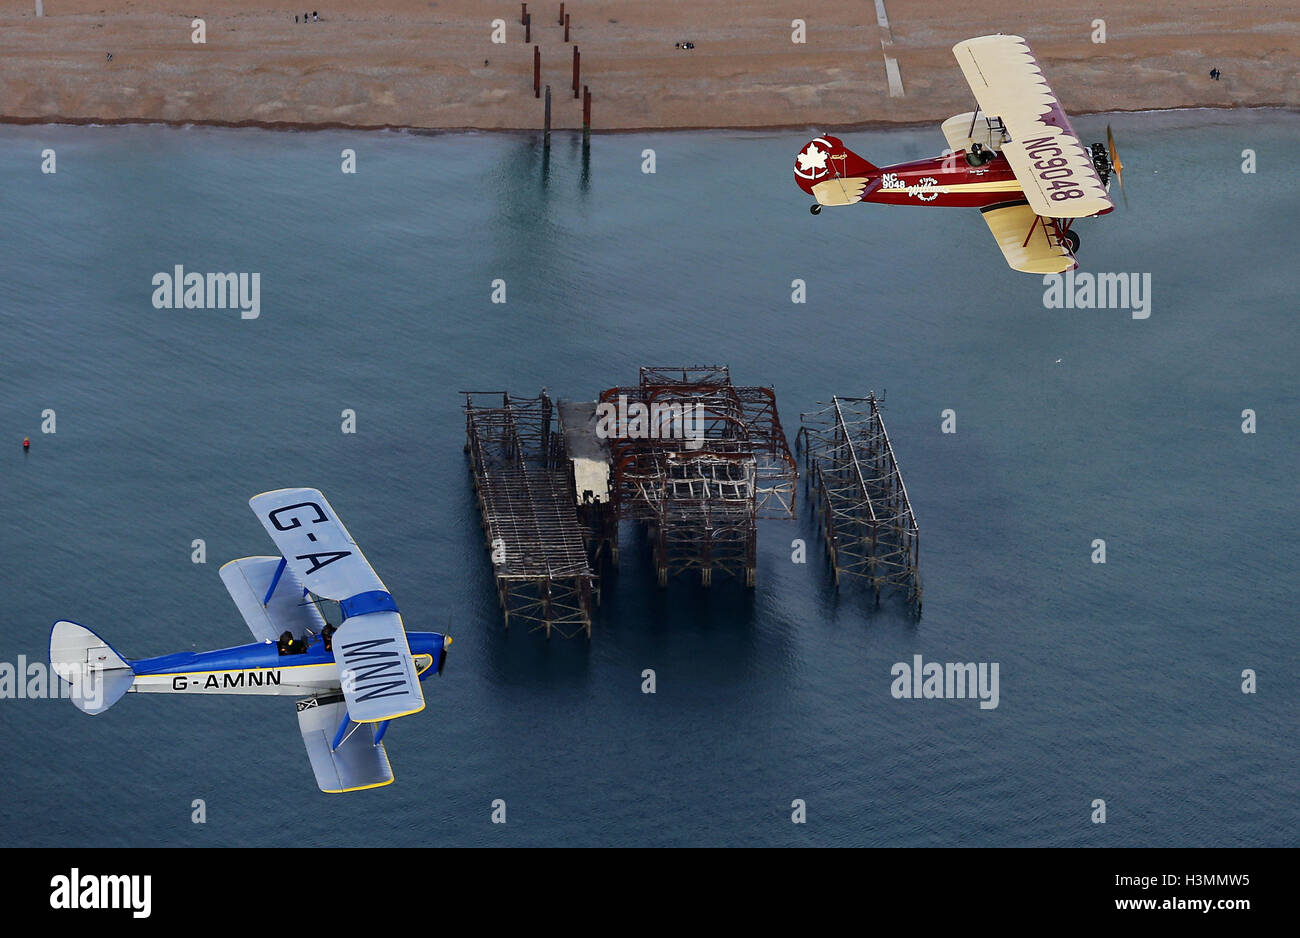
{"x": 342, "y": 735}
{"x": 275, "y": 580}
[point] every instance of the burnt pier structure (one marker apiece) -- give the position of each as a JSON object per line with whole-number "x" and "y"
{"x": 698, "y": 460}
{"x": 690, "y": 458}
{"x": 538, "y": 548}
{"x": 870, "y": 530}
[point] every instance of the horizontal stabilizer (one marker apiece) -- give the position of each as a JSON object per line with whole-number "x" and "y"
{"x": 358, "y": 762}
{"x": 249, "y": 579}
{"x": 97, "y": 674}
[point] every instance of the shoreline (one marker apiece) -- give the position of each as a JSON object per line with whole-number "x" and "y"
{"x": 309, "y": 127}
{"x": 463, "y": 65}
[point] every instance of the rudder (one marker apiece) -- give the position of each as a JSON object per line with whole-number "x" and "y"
{"x": 97, "y": 674}
{"x": 828, "y": 170}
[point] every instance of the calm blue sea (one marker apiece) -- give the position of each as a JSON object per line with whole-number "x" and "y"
{"x": 1119, "y": 681}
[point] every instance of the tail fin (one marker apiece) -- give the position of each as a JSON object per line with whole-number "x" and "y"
{"x": 826, "y": 163}
{"x": 98, "y": 675}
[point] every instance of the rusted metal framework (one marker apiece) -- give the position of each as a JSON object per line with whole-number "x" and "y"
{"x": 700, "y": 463}
{"x": 870, "y": 530}
{"x": 526, "y": 498}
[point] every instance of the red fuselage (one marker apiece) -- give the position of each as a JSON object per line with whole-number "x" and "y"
{"x": 834, "y": 175}
{"x": 946, "y": 180}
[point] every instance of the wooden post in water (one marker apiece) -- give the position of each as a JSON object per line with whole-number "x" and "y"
{"x": 575, "y": 72}
{"x": 547, "y": 137}
{"x": 528, "y": 28}
{"x": 586, "y": 112}
{"x": 561, "y": 14}
{"x": 523, "y": 14}
{"x": 537, "y": 72}
{"x": 566, "y": 26}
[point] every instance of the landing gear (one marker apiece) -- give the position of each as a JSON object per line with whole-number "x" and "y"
{"x": 815, "y": 209}
{"x": 1071, "y": 241}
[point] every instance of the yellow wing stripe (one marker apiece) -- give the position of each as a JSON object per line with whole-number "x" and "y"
{"x": 340, "y": 791}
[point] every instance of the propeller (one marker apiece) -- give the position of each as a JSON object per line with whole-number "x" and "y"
{"x": 1115, "y": 163}
{"x": 442, "y": 661}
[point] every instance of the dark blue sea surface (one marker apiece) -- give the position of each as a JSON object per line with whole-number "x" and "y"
{"x": 1119, "y": 681}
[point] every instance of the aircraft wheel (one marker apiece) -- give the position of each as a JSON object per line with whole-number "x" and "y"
{"x": 1072, "y": 239}
{"x": 816, "y": 209}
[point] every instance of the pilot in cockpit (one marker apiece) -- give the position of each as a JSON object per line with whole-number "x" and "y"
{"x": 979, "y": 154}
{"x": 288, "y": 645}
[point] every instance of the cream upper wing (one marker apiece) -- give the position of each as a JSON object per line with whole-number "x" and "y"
{"x": 1053, "y": 167}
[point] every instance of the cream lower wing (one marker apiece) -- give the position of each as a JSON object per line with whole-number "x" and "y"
{"x": 1027, "y": 239}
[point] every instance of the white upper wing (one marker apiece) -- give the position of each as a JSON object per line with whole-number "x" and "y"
{"x": 1054, "y": 168}
{"x": 376, "y": 670}
{"x": 319, "y": 550}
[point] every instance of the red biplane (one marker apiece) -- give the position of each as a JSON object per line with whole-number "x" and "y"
{"x": 1015, "y": 158}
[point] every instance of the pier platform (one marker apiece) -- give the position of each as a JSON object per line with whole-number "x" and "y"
{"x": 526, "y": 497}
